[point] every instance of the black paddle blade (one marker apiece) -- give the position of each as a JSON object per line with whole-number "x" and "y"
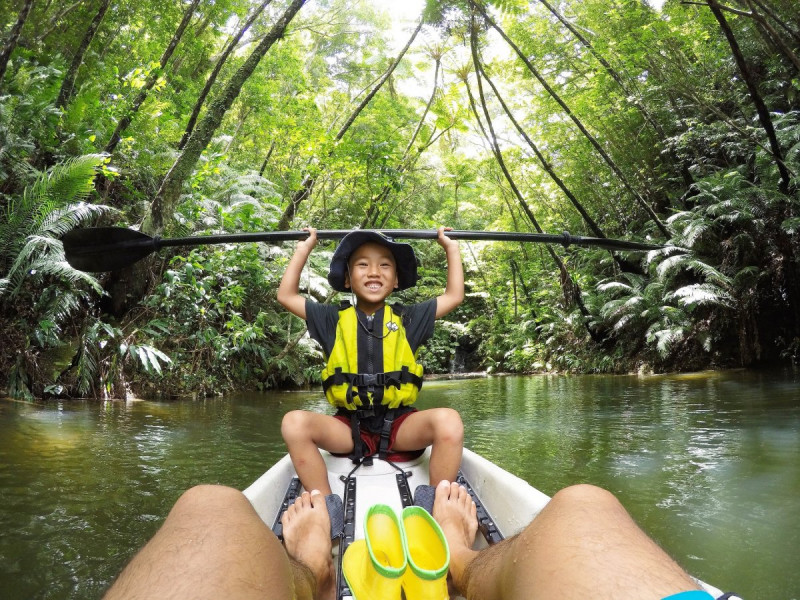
{"x": 97, "y": 249}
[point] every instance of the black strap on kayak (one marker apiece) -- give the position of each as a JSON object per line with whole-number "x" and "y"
{"x": 292, "y": 492}
{"x": 349, "y": 532}
{"x": 486, "y": 524}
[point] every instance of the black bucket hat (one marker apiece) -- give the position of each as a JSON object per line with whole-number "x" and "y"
{"x": 404, "y": 258}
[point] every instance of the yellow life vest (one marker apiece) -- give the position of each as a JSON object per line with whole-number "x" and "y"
{"x": 393, "y": 380}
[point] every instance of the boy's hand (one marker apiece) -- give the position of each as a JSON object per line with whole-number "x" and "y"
{"x": 445, "y": 241}
{"x": 308, "y": 244}
{"x": 289, "y": 289}
{"x": 454, "y": 292}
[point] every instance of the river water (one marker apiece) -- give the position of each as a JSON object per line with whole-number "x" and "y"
{"x": 708, "y": 463}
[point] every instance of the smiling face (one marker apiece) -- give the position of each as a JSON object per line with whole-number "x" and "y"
{"x": 372, "y": 275}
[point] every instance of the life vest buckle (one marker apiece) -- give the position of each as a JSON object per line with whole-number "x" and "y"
{"x": 371, "y": 380}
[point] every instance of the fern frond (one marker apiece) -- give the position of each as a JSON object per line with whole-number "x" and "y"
{"x": 72, "y": 180}
{"x": 63, "y": 271}
{"x": 665, "y": 339}
{"x": 692, "y": 296}
{"x": 614, "y": 286}
{"x": 62, "y": 220}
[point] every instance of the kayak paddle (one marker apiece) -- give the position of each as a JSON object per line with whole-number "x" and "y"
{"x": 96, "y": 249}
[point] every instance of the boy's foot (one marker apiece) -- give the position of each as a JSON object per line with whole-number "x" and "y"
{"x": 456, "y": 514}
{"x": 306, "y": 535}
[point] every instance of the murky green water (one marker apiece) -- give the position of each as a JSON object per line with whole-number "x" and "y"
{"x": 709, "y": 464}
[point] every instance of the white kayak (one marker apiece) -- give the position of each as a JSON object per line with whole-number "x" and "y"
{"x": 506, "y": 503}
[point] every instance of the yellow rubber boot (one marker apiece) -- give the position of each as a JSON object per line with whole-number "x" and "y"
{"x": 428, "y": 556}
{"x": 374, "y": 567}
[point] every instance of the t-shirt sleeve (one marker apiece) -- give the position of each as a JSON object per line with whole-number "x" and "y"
{"x": 321, "y": 320}
{"x": 418, "y": 321}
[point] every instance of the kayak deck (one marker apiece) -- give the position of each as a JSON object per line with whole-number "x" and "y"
{"x": 393, "y": 484}
{"x": 506, "y": 504}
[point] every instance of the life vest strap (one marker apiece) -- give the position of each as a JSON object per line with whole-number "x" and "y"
{"x": 357, "y": 456}
{"x": 375, "y": 380}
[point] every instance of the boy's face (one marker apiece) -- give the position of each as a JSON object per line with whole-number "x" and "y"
{"x": 372, "y": 274}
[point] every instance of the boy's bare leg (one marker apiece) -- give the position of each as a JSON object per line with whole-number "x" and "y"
{"x": 583, "y": 544}
{"x": 306, "y": 533}
{"x": 305, "y": 433}
{"x": 213, "y": 545}
{"x": 440, "y": 428}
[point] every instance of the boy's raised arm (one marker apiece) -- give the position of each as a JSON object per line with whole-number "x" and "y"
{"x": 454, "y": 291}
{"x": 289, "y": 290}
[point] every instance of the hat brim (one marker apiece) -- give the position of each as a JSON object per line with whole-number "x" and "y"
{"x": 404, "y": 258}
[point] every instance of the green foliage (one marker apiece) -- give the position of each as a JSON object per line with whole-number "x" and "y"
{"x": 215, "y": 316}
{"x": 658, "y": 90}
{"x": 39, "y": 291}
{"x": 31, "y": 224}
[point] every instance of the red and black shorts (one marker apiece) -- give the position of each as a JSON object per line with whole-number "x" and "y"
{"x": 370, "y": 431}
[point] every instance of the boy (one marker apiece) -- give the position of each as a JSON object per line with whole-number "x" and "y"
{"x": 371, "y": 374}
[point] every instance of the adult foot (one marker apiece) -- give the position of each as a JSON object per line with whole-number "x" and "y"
{"x": 306, "y": 535}
{"x": 456, "y": 514}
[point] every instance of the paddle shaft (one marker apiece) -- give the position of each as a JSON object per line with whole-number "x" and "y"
{"x": 110, "y": 248}
{"x": 409, "y": 234}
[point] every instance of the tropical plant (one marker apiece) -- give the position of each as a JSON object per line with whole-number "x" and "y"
{"x": 39, "y": 291}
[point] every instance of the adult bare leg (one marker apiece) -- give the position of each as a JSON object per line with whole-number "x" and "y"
{"x": 305, "y": 433}
{"x": 443, "y": 430}
{"x": 583, "y": 544}
{"x": 213, "y": 545}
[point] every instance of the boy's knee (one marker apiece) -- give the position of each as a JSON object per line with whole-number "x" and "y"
{"x": 449, "y": 426}
{"x": 293, "y": 423}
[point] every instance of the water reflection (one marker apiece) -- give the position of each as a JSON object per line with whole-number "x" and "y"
{"x": 714, "y": 457}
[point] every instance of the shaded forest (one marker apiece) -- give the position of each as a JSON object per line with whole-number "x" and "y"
{"x": 676, "y": 125}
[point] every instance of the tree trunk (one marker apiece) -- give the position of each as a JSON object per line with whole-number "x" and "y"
{"x": 755, "y": 95}
{"x": 608, "y": 160}
{"x": 215, "y": 72}
{"x": 68, "y": 85}
{"x": 570, "y": 289}
{"x": 774, "y": 36}
{"x": 781, "y": 23}
{"x": 116, "y": 137}
{"x": 548, "y": 168}
{"x": 131, "y": 284}
{"x": 768, "y": 31}
{"x": 607, "y": 66}
{"x": 163, "y": 204}
{"x": 683, "y": 166}
{"x": 307, "y": 186}
{"x": 13, "y": 38}
{"x": 266, "y": 159}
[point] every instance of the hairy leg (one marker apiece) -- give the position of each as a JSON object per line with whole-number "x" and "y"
{"x": 583, "y": 544}
{"x": 305, "y": 433}
{"x": 212, "y": 545}
{"x": 440, "y": 428}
